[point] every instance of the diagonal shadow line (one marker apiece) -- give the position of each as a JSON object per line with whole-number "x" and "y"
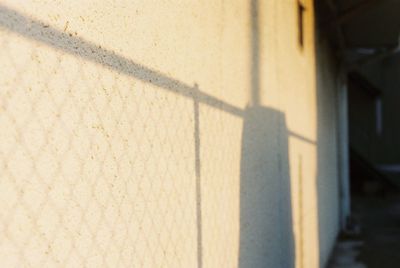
{"x": 38, "y": 31}
{"x": 300, "y": 137}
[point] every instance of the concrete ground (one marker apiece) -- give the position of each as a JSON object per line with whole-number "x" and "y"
{"x": 380, "y": 222}
{"x": 346, "y": 254}
{"x": 378, "y": 245}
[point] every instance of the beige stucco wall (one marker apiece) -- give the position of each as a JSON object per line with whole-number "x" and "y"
{"x": 164, "y": 134}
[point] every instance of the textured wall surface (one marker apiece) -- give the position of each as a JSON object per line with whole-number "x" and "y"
{"x": 165, "y": 134}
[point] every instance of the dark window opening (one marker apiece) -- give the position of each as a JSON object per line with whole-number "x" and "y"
{"x": 300, "y": 14}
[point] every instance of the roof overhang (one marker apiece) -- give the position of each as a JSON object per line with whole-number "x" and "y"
{"x": 361, "y": 30}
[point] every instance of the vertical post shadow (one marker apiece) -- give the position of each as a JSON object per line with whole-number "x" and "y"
{"x": 266, "y": 235}
{"x": 266, "y": 228}
{"x": 255, "y": 52}
{"x": 198, "y": 180}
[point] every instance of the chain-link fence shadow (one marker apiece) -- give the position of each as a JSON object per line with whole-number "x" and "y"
{"x": 108, "y": 163}
{"x": 99, "y": 166}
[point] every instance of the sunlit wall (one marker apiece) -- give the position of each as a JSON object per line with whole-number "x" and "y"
{"x": 165, "y": 134}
